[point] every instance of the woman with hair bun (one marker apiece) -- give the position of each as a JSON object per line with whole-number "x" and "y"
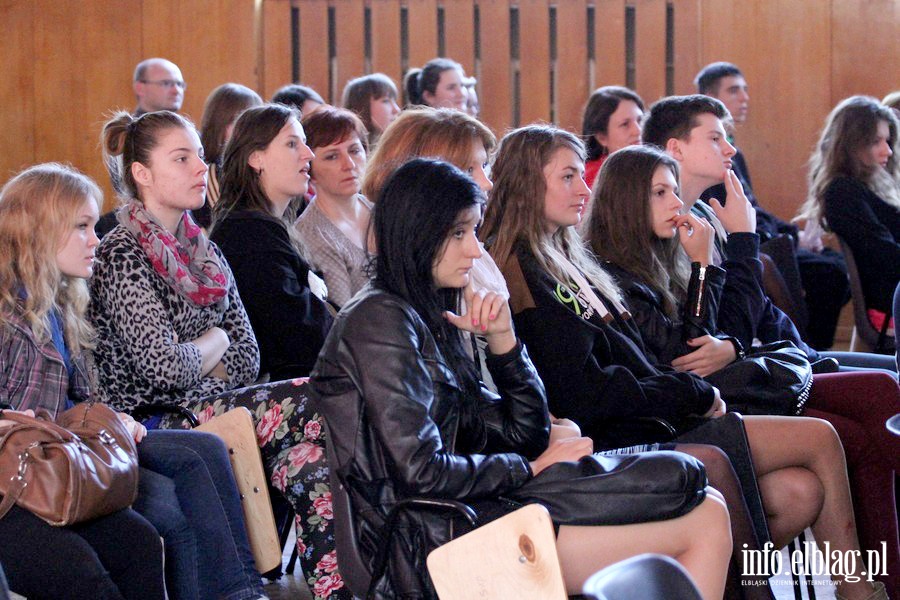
{"x": 439, "y": 84}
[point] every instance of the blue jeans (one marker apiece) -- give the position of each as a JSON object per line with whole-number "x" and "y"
{"x": 207, "y": 494}
{"x": 863, "y": 361}
{"x": 157, "y": 502}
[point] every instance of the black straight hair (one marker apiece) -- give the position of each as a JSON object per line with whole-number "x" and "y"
{"x": 414, "y": 215}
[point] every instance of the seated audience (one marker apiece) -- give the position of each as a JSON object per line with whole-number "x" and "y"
{"x": 334, "y": 227}
{"x": 439, "y": 84}
{"x": 374, "y": 98}
{"x": 223, "y": 106}
{"x": 43, "y": 303}
{"x": 854, "y": 191}
{"x": 171, "y": 325}
{"x": 570, "y": 314}
{"x": 691, "y": 130}
{"x": 822, "y": 271}
{"x": 303, "y": 98}
{"x": 661, "y": 260}
{"x": 612, "y": 120}
{"x": 391, "y": 421}
{"x": 473, "y": 107}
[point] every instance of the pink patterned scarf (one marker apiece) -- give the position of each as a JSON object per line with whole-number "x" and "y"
{"x": 184, "y": 259}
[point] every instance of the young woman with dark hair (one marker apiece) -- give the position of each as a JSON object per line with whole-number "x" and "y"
{"x": 334, "y": 227}
{"x": 439, "y": 84}
{"x": 394, "y": 380}
{"x": 266, "y": 164}
{"x": 612, "y": 120}
{"x": 571, "y": 314}
{"x": 854, "y": 190}
{"x": 661, "y": 260}
{"x": 374, "y": 98}
{"x": 222, "y": 108}
{"x": 302, "y": 97}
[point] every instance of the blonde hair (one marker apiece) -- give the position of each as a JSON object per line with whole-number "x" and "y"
{"x": 37, "y": 208}
{"x": 516, "y": 207}
{"x": 850, "y": 128}
{"x": 424, "y": 132}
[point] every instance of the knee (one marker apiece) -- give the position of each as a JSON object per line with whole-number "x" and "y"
{"x": 716, "y": 523}
{"x": 718, "y": 466}
{"x": 821, "y": 435}
{"x": 803, "y": 491}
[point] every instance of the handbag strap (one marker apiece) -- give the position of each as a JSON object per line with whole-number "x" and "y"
{"x": 17, "y": 486}
{"x": 61, "y": 433}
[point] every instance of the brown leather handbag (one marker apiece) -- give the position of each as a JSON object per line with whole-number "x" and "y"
{"x": 82, "y": 467}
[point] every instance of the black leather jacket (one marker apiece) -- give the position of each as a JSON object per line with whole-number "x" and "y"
{"x": 393, "y": 409}
{"x": 665, "y": 337}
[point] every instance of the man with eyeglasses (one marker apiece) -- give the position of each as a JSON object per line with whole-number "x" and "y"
{"x": 158, "y": 85}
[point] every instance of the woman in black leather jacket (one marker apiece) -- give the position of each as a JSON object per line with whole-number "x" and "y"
{"x": 407, "y": 416}
{"x": 672, "y": 292}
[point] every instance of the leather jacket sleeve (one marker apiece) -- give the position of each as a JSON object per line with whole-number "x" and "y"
{"x": 385, "y": 349}
{"x": 664, "y": 337}
{"x": 518, "y": 420}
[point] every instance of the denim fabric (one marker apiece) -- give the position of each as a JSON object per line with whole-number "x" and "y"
{"x": 158, "y": 503}
{"x": 863, "y": 361}
{"x": 198, "y": 464}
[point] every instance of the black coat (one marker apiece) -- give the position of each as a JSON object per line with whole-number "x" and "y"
{"x": 290, "y": 322}
{"x": 593, "y": 370}
{"x": 665, "y": 337}
{"x": 393, "y": 409}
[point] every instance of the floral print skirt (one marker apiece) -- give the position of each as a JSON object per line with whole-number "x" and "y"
{"x": 290, "y": 436}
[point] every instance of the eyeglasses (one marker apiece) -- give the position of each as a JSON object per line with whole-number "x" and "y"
{"x": 167, "y": 83}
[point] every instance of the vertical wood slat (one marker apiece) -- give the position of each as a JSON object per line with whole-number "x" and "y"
{"x": 459, "y": 33}
{"x": 386, "y": 39}
{"x": 276, "y": 60}
{"x": 869, "y": 26}
{"x": 687, "y": 45}
{"x": 572, "y": 63}
{"x": 534, "y": 61}
{"x": 314, "y": 44}
{"x": 18, "y": 87}
{"x": 650, "y": 49}
{"x": 67, "y": 125}
{"x": 495, "y": 76}
{"x": 351, "y": 50}
{"x": 423, "y": 45}
{"x": 609, "y": 42}
{"x": 212, "y": 41}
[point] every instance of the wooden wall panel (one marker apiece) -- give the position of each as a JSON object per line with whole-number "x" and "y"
{"x": 459, "y": 33}
{"x": 572, "y": 79}
{"x": 789, "y": 97}
{"x": 650, "y": 49}
{"x": 350, "y": 44}
{"x": 609, "y": 43}
{"x": 212, "y": 41}
{"x": 17, "y": 87}
{"x": 314, "y": 64}
{"x": 70, "y": 106}
{"x": 423, "y": 45}
{"x": 386, "y": 39}
{"x": 865, "y": 48}
{"x": 534, "y": 61}
{"x": 687, "y": 45}
{"x": 495, "y": 75}
{"x": 275, "y": 63}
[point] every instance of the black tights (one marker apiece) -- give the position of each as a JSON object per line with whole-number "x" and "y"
{"x": 117, "y": 557}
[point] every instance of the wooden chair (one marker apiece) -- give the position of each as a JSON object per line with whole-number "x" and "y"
{"x": 512, "y": 557}
{"x": 865, "y": 337}
{"x": 236, "y": 429}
